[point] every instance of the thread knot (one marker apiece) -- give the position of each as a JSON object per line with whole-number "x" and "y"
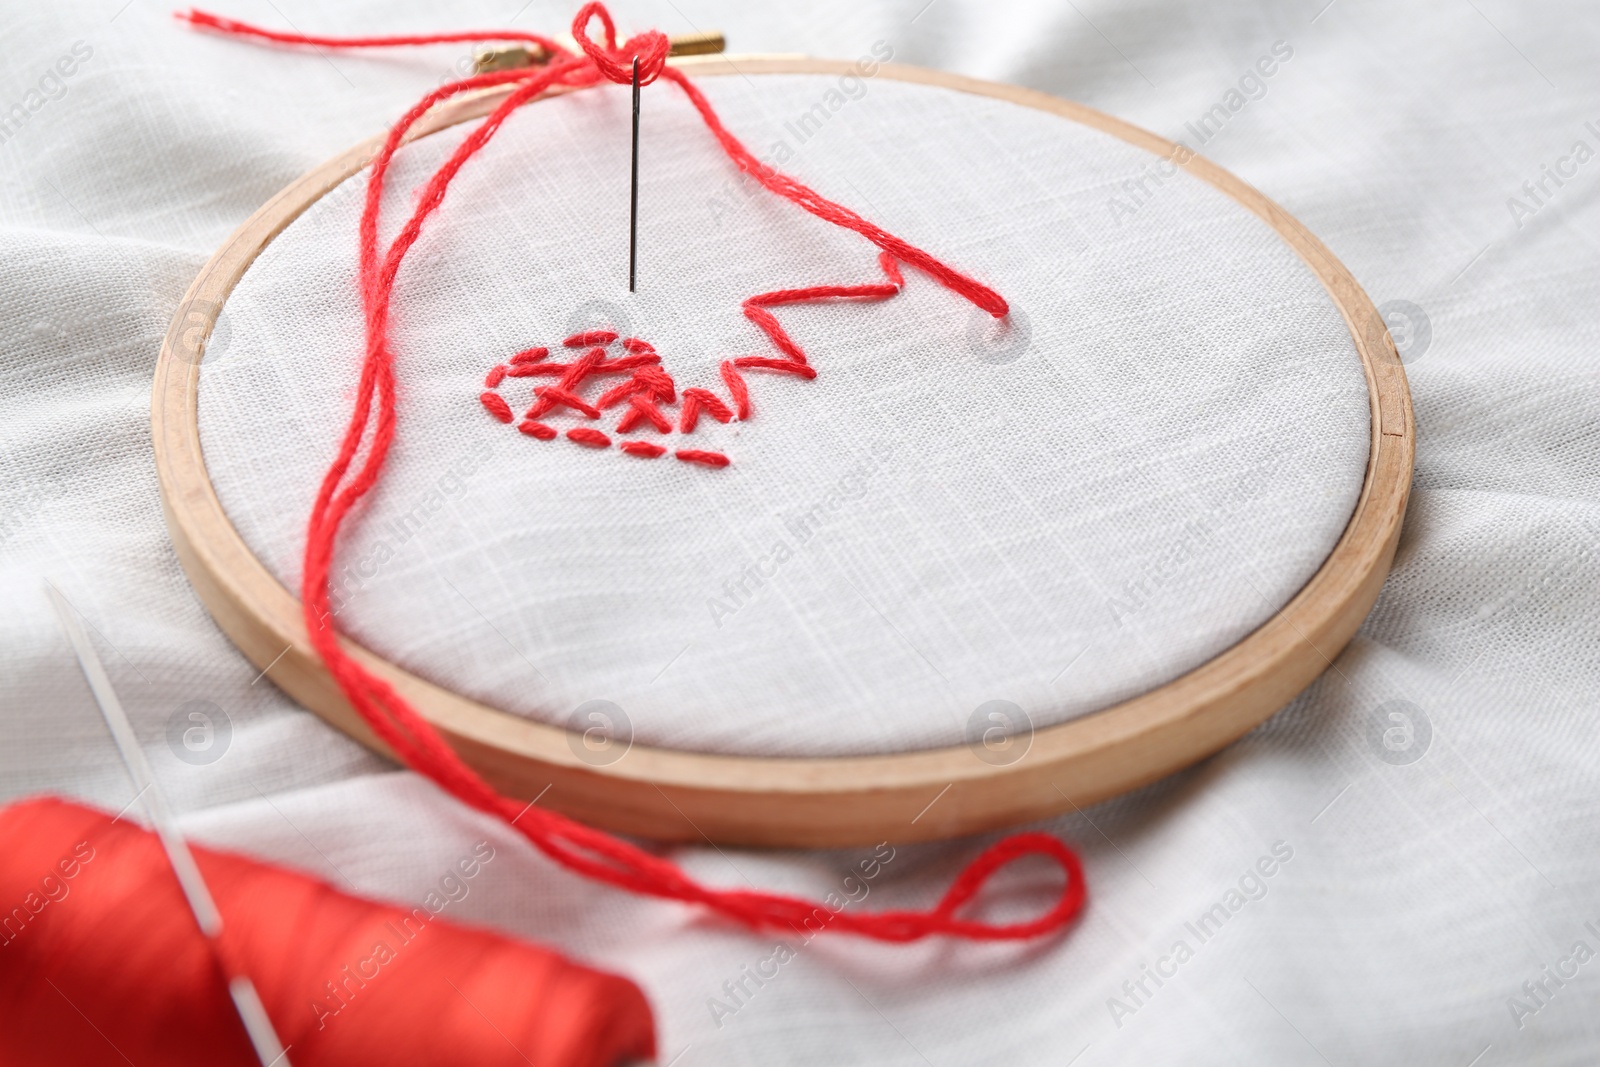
{"x": 615, "y": 62}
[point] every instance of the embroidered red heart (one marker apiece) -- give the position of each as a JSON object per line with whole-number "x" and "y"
{"x": 650, "y": 387}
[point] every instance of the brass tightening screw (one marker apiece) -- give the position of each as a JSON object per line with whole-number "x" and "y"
{"x": 513, "y": 56}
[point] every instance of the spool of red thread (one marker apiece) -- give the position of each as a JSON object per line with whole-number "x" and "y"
{"x": 101, "y": 962}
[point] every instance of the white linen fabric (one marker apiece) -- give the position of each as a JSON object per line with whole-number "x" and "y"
{"x": 1160, "y": 450}
{"x": 1432, "y": 875}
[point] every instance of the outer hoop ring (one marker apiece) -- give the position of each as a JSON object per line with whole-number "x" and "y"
{"x": 823, "y": 802}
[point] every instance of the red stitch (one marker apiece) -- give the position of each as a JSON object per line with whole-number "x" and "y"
{"x": 660, "y": 383}
{"x": 813, "y": 293}
{"x": 652, "y": 381}
{"x": 618, "y": 393}
{"x": 769, "y": 325}
{"x": 892, "y": 269}
{"x": 736, "y": 387}
{"x": 622, "y": 363}
{"x": 709, "y": 459}
{"x": 633, "y": 344}
{"x": 592, "y": 438}
{"x": 533, "y": 370}
{"x": 369, "y": 435}
{"x": 530, "y": 355}
{"x": 537, "y": 429}
{"x": 788, "y": 366}
{"x": 755, "y": 307}
{"x": 642, "y": 449}
{"x": 495, "y": 375}
{"x": 552, "y": 395}
{"x": 640, "y": 409}
{"x": 497, "y": 406}
{"x": 582, "y": 367}
{"x": 696, "y": 399}
{"x": 573, "y": 373}
{"x": 590, "y": 337}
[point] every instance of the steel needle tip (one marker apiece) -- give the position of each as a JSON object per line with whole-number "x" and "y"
{"x": 633, "y": 193}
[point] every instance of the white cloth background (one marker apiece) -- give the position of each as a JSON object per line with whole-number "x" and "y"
{"x": 1160, "y": 455}
{"x": 1419, "y": 897}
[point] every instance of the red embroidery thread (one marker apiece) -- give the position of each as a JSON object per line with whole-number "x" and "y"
{"x": 708, "y": 459}
{"x": 788, "y": 366}
{"x": 737, "y": 389}
{"x": 590, "y": 337}
{"x": 697, "y": 400}
{"x": 552, "y": 396}
{"x": 497, "y": 406}
{"x": 643, "y": 408}
{"x": 652, "y": 382}
{"x": 585, "y": 436}
{"x": 370, "y": 432}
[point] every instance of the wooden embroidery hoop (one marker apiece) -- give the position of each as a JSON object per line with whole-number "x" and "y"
{"x": 803, "y": 802}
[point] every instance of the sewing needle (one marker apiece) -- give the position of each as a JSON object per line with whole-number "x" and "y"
{"x": 268, "y": 1048}
{"x": 633, "y": 198}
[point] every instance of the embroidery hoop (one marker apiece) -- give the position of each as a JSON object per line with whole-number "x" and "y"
{"x": 671, "y": 794}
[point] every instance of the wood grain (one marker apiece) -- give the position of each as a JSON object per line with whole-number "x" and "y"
{"x": 676, "y": 795}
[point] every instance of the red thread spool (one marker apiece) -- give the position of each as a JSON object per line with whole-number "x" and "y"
{"x": 101, "y": 962}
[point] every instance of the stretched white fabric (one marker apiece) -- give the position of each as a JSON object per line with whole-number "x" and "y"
{"x": 1154, "y": 457}
{"x": 1420, "y": 896}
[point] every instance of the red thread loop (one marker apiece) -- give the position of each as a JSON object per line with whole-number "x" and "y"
{"x": 369, "y": 435}
{"x": 1001, "y": 854}
{"x": 649, "y": 47}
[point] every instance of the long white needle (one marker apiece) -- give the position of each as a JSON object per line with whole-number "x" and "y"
{"x": 269, "y": 1050}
